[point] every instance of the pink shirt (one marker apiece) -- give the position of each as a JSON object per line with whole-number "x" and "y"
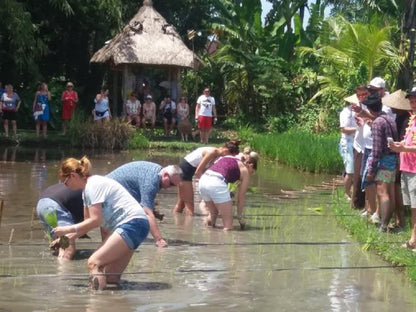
{"x": 408, "y": 160}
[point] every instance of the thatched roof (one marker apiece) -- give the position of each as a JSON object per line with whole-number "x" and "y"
{"x": 147, "y": 39}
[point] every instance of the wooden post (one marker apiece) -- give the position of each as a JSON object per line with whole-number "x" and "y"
{"x": 114, "y": 106}
{"x": 1, "y": 209}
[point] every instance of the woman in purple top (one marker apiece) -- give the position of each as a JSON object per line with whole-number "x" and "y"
{"x": 213, "y": 187}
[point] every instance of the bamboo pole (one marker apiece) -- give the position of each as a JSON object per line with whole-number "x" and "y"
{"x": 1, "y": 209}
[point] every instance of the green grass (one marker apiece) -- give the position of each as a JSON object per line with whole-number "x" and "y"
{"x": 300, "y": 150}
{"x": 388, "y": 246}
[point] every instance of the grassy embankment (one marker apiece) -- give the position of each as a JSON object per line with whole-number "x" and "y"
{"x": 318, "y": 153}
{"x": 300, "y": 150}
{"x": 387, "y": 245}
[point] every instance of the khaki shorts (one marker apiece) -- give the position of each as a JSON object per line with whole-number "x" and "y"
{"x": 408, "y": 184}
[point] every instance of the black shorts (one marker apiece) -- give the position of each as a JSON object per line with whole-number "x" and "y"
{"x": 9, "y": 115}
{"x": 187, "y": 170}
{"x": 168, "y": 116}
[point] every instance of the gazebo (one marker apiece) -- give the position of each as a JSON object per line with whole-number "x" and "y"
{"x": 146, "y": 41}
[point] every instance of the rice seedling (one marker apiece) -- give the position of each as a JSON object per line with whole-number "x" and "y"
{"x": 51, "y": 219}
{"x": 299, "y": 149}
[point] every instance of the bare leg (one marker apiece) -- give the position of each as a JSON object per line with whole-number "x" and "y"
{"x": 6, "y": 127}
{"x": 348, "y": 185}
{"x": 371, "y": 194}
{"x": 180, "y": 203}
{"x": 385, "y": 204}
{"x": 226, "y": 210}
{"x": 14, "y": 126}
{"x": 111, "y": 254}
{"x": 117, "y": 268}
{"x": 412, "y": 240}
{"x": 213, "y": 213}
{"x": 398, "y": 207}
{"x": 188, "y": 198}
{"x": 37, "y": 127}
{"x": 45, "y": 128}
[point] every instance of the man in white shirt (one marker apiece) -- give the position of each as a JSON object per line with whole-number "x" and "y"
{"x": 348, "y": 127}
{"x": 205, "y": 114}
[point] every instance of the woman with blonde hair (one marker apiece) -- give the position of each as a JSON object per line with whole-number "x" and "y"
{"x": 107, "y": 205}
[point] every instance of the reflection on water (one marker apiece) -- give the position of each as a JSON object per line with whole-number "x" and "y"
{"x": 290, "y": 258}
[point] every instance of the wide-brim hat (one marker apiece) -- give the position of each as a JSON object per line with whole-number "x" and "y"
{"x": 353, "y": 99}
{"x": 397, "y": 100}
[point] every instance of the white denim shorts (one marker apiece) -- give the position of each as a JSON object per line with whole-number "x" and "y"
{"x": 213, "y": 187}
{"x": 346, "y": 151}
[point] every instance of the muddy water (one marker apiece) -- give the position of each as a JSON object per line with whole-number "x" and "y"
{"x": 292, "y": 257}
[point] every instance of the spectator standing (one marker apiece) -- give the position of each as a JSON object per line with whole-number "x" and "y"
{"x": 407, "y": 150}
{"x": 41, "y": 109}
{"x": 133, "y": 110}
{"x": 358, "y": 195}
{"x": 10, "y": 104}
{"x": 383, "y": 161}
{"x": 69, "y": 100}
{"x": 101, "y": 109}
{"x": 348, "y": 127}
{"x": 205, "y": 114}
{"x": 168, "y": 109}
{"x": 182, "y": 113}
{"x": 400, "y": 107}
{"x": 1, "y": 89}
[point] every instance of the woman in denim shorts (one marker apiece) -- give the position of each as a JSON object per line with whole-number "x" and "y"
{"x": 107, "y": 205}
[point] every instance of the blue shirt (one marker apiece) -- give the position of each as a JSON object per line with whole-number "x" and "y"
{"x": 141, "y": 179}
{"x": 10, "y": 103}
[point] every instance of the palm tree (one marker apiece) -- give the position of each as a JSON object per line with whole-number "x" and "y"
{"x": 351, "y": 54}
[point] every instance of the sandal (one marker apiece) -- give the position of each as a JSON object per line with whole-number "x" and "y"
{"x": 408, "y": 246}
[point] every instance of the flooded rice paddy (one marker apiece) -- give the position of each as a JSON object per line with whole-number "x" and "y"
{"x": 291, "y": 257}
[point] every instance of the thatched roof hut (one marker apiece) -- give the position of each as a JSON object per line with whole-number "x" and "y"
{"x": 147, "y": 40}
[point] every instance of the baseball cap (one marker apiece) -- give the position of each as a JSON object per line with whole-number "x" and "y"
{"x": 378, "y": 83}
{"x": 149, "y": 96}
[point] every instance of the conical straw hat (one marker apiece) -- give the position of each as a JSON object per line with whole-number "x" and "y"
{"x": 397, "y": 100}
{"x": 353, "y": 99}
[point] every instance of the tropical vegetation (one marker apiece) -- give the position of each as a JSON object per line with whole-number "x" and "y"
{"x": 290, "y": 70}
